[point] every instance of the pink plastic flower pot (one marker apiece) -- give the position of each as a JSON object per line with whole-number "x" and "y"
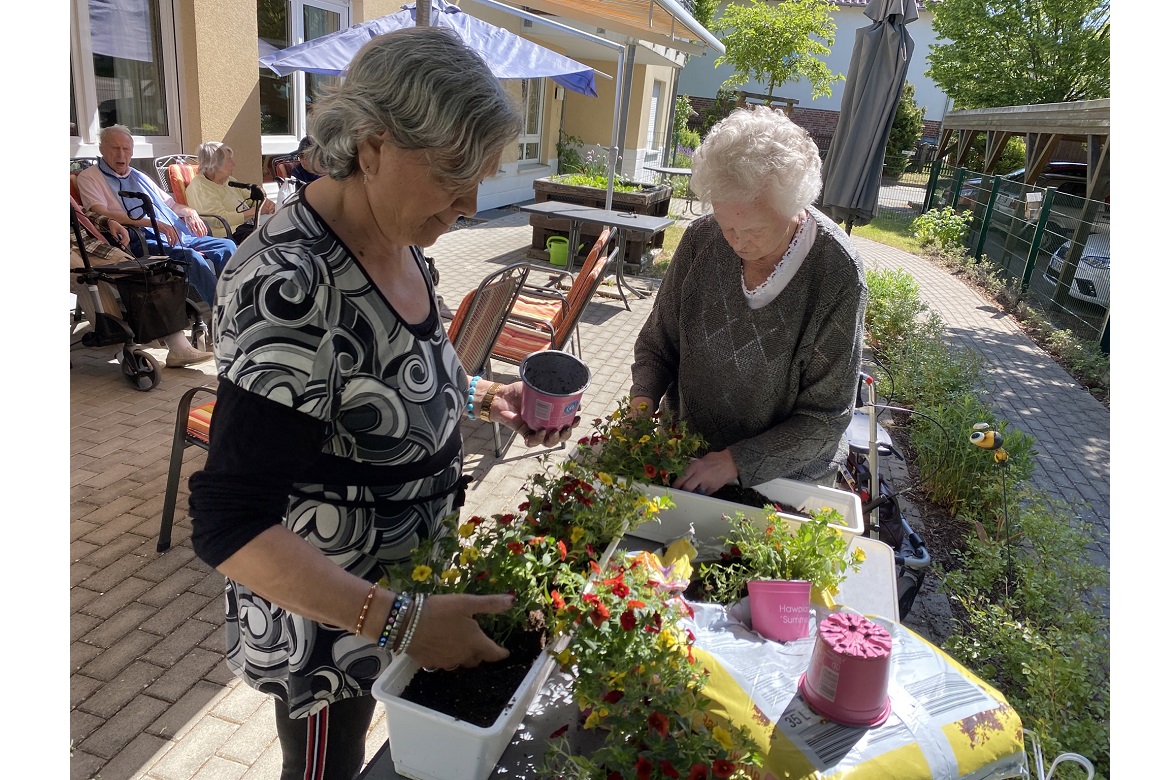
{"x": 780, "y": 608}
{"x": 554, "y": 382}
{"x": 848, "y": 677}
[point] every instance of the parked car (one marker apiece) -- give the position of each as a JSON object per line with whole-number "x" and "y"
{"x": 1069, "y": 178}
{"x": 1091, "y": 281}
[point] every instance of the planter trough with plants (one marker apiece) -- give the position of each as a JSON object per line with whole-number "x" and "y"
{"x": 650, "y": 199}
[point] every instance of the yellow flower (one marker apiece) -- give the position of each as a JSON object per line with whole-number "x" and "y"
{"x": 466, "y": 530}
{"x": 450, "y": 576}
{"x": 606, "y": 479}
{"x": 643, "y": 406}
{"x": 576, "y": 533}
{"x": 645, "y": 438}
{"x": 421, "y": 573}
{"x": 859, "y": 555}
{"x": 595, "y": 717}
{"x": 722, "y": 736}
{"x": 467, "y": 555}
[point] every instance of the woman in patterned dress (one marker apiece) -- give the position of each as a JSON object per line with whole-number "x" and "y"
{"x": 335, "y": 445}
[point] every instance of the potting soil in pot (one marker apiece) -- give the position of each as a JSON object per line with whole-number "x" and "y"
{"x": 553, "y": 376}
{"x": 749, "y": 497}
{"x": 479, "y": 694}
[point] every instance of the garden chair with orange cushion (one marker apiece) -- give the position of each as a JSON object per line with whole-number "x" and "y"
{"x": 192, "y": 428}
{"x": 545, "y": 318}
{"x": 480, "y": 318}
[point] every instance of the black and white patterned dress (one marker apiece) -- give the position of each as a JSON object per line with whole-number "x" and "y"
{"x": 300, "y": 323}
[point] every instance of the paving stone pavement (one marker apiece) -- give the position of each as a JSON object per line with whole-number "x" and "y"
{"x": 150, "y": 696}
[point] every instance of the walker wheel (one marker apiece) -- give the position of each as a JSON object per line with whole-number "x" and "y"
{"x": 141, "y": 370}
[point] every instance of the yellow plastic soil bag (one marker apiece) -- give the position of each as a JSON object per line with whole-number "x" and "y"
{"x": 945, "y": 724}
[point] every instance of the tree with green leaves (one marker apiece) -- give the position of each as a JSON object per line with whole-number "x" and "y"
{"x": 1020, "y": 52}
{"x": 904, "y": 132}
{"x": 775, "y": 43}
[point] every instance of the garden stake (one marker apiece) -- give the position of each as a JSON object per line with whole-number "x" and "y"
{"x": 987, "y": 439}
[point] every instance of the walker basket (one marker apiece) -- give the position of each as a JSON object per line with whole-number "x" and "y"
{"x": 154, "y": 301}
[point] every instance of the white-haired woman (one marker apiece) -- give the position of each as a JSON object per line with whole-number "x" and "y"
{"x": 336, "y": 446}
{"x": 755, "y": 338}
{"x": 210, "y": 193}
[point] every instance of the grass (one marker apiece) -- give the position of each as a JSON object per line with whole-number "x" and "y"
{"x": 670, "y": 241}
{"x": 889, "y": 231}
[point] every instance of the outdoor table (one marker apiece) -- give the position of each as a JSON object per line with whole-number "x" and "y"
{"x": 625, "y": 222}
{"x": 870, "y": 590}
{"x": 666, "y": 172}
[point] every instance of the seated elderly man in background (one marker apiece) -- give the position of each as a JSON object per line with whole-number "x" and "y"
{"x": 180, "y": 351}
{"x": 185, "y": 234}
{"x": 212, "y": 192}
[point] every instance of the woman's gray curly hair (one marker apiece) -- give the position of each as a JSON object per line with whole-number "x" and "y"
{"x": 211, "y": 157}
{"x": 758, "y": 153}
{"x": 431, "y": 92}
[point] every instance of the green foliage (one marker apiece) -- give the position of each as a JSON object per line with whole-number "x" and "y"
{"x": 569, "y": 153}
{"x": 892, "y": 310}
{"x": 1040, "y": 637}
{"x": 1025, "y": 52}
{"x": 904, "y": 133}
{"x": 724, "y": 104}
{"x": 635, "y": 445}
{"x": 942, "y": 228}
{"x": 775, "y": 43}
{"x": 1013, "y": 157}
{"x": 773, "y": 550}
{"x": 705, "y": 12}
{"x": 1046, "y": 644}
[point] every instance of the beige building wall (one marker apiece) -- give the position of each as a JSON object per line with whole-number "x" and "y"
{"x": 219, "y": 79}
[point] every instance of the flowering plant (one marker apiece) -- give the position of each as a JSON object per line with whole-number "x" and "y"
{"x": 815, "y": 551}
{"x": 637, "y": 677}
{"x": 639, "y": 447}
{"x": 564, "y": 528}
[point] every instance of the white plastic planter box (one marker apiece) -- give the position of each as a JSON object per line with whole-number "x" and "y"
{"x": 704, "y": 515}
{"x": 429, "y": 745}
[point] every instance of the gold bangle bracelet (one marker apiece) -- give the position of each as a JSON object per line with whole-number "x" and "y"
{"x": 485, "y": 406}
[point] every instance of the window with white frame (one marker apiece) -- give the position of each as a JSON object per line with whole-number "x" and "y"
{"x": 654, "y": 128}
{"x": 286, "y": 100}
{"x": 532, "y": 100}
{"x": 122, "y": 71}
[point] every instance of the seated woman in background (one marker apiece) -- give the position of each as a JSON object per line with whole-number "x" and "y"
{"x": 210, "y": 192}
{"x": 306, "y": 170}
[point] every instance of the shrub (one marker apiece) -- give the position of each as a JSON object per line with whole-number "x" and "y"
{"x": 569, "y": 153}
{"x": 893, "y": 309}
{"x": 941, "y": 228}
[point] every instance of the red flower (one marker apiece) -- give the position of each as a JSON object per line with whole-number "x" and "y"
{"x": 721, "y": 767}
{"x": 613, "y": 697}
{"x": 476, "y": 520}
{"x": 614, "y": 776}
{"x": 557, "y": 601}
{"x": 736, "y": 552}
{"x": 589, "y": 551}
{"x": 628, "y": 620}
{"x": 591, "y": 598}
{"x": 515, "y": 548}
{"x": 536, "y": 540}
{"x": 564, "y": 551}
{"x": 668, "y": 769}
{"x": 658, "y": 722}
{"x": 506, "y": 519}
{"x": 583, "y": 440}
{"x": 651, "y": 470}
{"x": 698, "y": 772}
{"x": 524, "y": 506}
{"x": 599, "y": 615}
{"x": 635, "y": 604}
{"x": 621, "y": 590}
{"x": 593, "y": 564}
{"x": 644, "y": 768}
{"x": 559, "y": 732}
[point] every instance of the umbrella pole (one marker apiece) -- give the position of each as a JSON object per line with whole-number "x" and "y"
{"x": 849, "y": 226}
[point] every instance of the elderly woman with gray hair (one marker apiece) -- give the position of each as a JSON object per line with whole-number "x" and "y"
{"x": 755, "y": 338}
{"x": 210, "y": 192}
{"x": 335, "y": 444}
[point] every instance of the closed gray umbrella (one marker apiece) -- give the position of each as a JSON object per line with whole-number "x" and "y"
{"x": 877, "y": 70}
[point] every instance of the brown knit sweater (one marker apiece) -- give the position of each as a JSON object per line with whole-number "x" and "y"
{"x": 774, "y": 385}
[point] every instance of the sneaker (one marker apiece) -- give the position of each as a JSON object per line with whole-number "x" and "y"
{"x": 180, "y": 358}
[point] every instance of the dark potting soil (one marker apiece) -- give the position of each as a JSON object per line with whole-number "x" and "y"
{"x": 479, "y": 694}
{"x": 555, "y": 373}
{"x": 745, "y": 495}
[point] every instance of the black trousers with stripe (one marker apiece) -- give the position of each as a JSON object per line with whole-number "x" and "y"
{"x": 328, "y": 745}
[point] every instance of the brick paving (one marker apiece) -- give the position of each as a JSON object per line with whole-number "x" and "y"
{"x": 150, "y": 696}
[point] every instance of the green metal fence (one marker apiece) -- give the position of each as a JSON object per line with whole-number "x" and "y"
{"x": 1051, "y": 245}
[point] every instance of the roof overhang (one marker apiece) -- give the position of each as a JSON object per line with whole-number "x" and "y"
{"x": 663, "y": 22}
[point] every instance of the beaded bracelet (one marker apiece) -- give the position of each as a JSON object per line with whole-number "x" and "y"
{"x": 361, "y": 621}
{"x": 396, "y": 629}
{"x": 414, "y": 618}
{"x": 471, "y": 399}
{"x": 400, "y": 600}
{"x": 485, "y": 407}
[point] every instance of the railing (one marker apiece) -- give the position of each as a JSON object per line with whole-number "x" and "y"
{"x": 1052, "y": 247}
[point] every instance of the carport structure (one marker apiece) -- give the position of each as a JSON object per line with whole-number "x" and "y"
{"x": 1043, "y": 127}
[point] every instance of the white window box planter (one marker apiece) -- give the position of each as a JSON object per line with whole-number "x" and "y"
{"x": 429, "y": 745}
